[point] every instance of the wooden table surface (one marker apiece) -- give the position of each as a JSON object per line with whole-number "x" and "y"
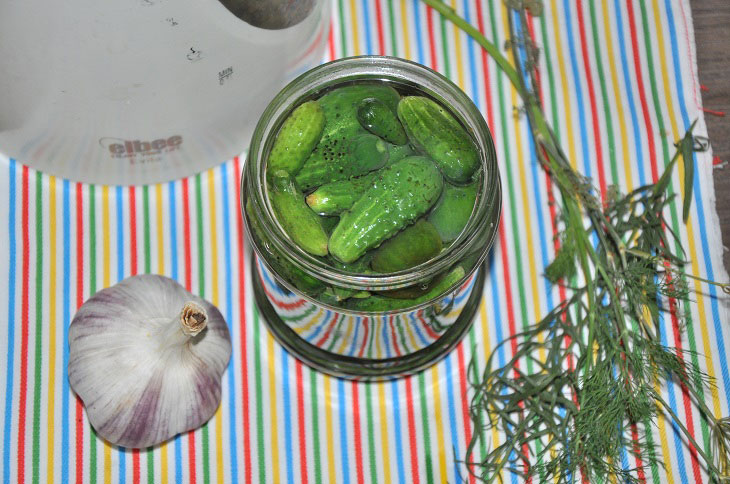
{"x": 711, "y": 21}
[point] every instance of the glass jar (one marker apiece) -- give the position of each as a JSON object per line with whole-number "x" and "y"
{"x": 300, "y": 295}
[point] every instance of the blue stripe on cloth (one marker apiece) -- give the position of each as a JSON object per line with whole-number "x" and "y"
{"x": 270, "y": 283}
{"x": 678, "y": 440}
{"x": 10, "y": 365}
{"x": 398, "y": 436}
{"x": 286, "y": 397}
{"x": 344, "y": 453}
{"x": 321, "y": 325}
{"x": 366, "y": 27}
{"x": 120, "y": 275}
{"x": 578, "y": 90}
{"x": 65, "y": 397}
{"x": 174, "y": 264}
{"x": 452, "y": 416}
{"x": 120, "y": 232}
{"x": 415, "y": 325}
{"x": 173, "y": 230}
{"x": 386, "y": 344}
{"x": 354, "y": 338}
{"x": 717, "y": 323}
{"x": 629, "y": 93}
{"x": 417, "y": 22}
{"x": 472, "y": 62}
{"x": 233, "y": 328}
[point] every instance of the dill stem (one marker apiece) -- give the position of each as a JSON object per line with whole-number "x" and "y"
{"x": 676, "y": 420}
{"x": 490, "y": 47}
{"x": 724, "y": 286}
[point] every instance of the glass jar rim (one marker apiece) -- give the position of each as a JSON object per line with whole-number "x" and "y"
{"x": 373, "y": 68}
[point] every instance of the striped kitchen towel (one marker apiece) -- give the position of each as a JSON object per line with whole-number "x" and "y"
{"x": 619, "y": 82}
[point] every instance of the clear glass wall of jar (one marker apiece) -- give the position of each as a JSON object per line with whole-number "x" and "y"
{"x": 299, "y": 295}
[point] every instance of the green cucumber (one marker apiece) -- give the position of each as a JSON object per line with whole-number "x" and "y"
{"x": 434, "y": 131}
{"x": 296, "y": 139}
{"x": 334, "y": 295}
{"x": 453, "y": 210}
{"x": 329, "y": 223}
{"x": 360, "y": 266}
{"x": 340, "y": 107}
{"x": 298, "y": 221}
{"x": 381, "y": 303}
{"x": 398, "y": 152}
{"x": 285, "y": 269}
{"x": 402, "y": 193}
{"x": 336, "y": 197}
{"x": 346, "y": 159}
{"x": 414, "y": 245}
{"x": 340, "y": 112}
{"x": 375, "y": 116}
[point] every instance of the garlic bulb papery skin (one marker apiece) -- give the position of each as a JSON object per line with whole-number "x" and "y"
{"x": 146, "y": 358}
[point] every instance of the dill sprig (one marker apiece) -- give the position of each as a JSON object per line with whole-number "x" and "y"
{"x": 598, "y": 364}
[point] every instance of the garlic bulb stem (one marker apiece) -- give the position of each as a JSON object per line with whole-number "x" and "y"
{"x": 193, "y": 319}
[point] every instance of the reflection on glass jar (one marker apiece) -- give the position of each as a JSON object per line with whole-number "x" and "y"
{"x": 345, "y": 318}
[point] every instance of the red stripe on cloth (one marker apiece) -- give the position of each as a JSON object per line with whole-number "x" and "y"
{"x": 79, "y": 302}
{"x": 431, "y": 39}
{"x": 133, "y": 261}
{"x": 24, "y": 329}
{"x": 685, "y": 391}
{"x": 485, "y": 69}
{"x": 328, "y": 331}
{"x": 331, "y": 41}
{"x": 133, "y": 272}
{"x": 192, "y": 465}
{"x": 427, "y": 327}
{"x": 393, "y": 336}
{"x": 188, "y": 286}
{"x": 412, "y": 441}
{"x": 592, "y": 99}
{"x": 464, "y": 399}
{"x": 357, "y": 433}
{"x": 242, "y": 330}
{"x": 642, "y": 94}
{"x": 135, "y": 466}
{"x": 364, "y": 338}
{"x": 278, "y": 303}
{"x": 191, "y": 457}
{"x": 186, "y": 236}
{"x": 379, "y": 20}
{"x": 303, "y": 476}
{"x": 639, "y": 468}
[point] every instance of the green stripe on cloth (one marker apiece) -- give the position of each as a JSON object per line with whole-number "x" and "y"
{"x": 38, "y": 326}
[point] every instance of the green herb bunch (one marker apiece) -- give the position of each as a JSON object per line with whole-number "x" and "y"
{"x": 598, "y": 362}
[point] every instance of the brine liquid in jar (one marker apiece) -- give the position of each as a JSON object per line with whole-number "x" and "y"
{"x": 374, "y": 178}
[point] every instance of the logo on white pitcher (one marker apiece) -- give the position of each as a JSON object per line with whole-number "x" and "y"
{"x": 120, "y": 148}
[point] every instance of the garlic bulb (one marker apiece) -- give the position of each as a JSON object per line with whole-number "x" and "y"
{"x": 146, "y": 358}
